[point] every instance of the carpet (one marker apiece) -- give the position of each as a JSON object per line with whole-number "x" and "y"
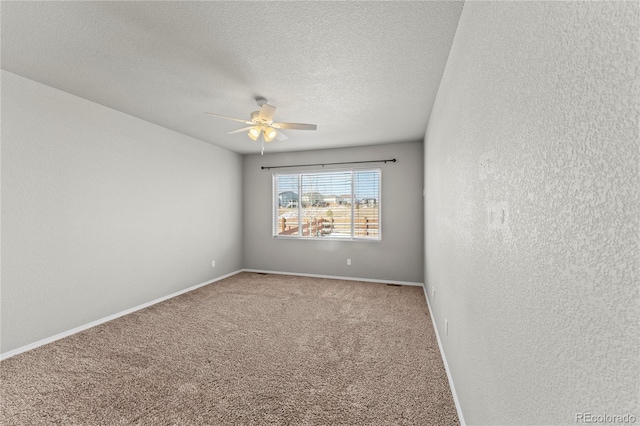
{"x": 251, "y": 349}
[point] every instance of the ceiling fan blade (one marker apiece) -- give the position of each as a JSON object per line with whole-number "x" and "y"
{"x": 244, "y": 129}
{"x": 294, "y": 126}
{"x": 281, "y": 136}
{"x": 230, "y": 118}
{"x": 267, "y": 112}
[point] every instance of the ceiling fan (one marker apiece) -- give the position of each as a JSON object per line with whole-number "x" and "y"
{"x": 261, "y": 124}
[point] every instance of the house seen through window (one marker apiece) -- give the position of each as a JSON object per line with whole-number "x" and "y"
{"x": 342, "y": 204}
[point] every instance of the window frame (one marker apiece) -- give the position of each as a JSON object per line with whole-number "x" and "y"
{"x": 353, "y": 171}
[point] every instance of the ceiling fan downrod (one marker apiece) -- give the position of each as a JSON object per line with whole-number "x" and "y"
{"x": 260, "y": 101}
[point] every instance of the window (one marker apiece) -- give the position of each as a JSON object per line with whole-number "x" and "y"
{"x": 342, "y": 204}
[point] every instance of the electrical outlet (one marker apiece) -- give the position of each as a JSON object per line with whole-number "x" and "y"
{"x": 348, "y": 262}
{"x": 446, "y": 327}
{"x": 213, "y": 263}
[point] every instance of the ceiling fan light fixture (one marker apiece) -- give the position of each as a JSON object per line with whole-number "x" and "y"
{"x": 269, "y": 134}
{"x": 262, "y": 126}
{"x": 254, "y": 132}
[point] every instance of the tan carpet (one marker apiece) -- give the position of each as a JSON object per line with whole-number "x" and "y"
{"x": 249, "y": 349}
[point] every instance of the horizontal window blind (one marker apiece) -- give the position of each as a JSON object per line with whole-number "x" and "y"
{"x": 343, "y": 204}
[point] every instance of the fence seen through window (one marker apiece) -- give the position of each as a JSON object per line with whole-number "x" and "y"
{"x": 343, "y": 204}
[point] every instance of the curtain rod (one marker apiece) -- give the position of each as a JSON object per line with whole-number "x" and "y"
{"x": 393, "y": 160}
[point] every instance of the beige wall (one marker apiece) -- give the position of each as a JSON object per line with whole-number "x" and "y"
{"x": 532, "y": 214}
{"x": 102, "y": 212}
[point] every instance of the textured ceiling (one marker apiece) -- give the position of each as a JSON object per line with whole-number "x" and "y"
{"x": 364, "y": 72}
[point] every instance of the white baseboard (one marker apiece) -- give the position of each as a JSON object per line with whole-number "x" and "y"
{"x": 59, "y": 336}
{"x": 333, "y": 277}
{"x": 456, "y": 401}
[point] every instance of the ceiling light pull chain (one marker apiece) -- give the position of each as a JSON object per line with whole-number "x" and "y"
{"x": 262, "y": 138}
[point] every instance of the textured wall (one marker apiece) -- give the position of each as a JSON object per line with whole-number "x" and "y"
{"x": 102, "y": 211}
{"x": 398, "y": 256}
{"x": 532, "y": 215}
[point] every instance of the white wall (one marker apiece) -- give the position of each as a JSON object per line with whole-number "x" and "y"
{"x": 398, "y": 256}
{"x": 532, "y": 214}
{"x": 102, "y": 211}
